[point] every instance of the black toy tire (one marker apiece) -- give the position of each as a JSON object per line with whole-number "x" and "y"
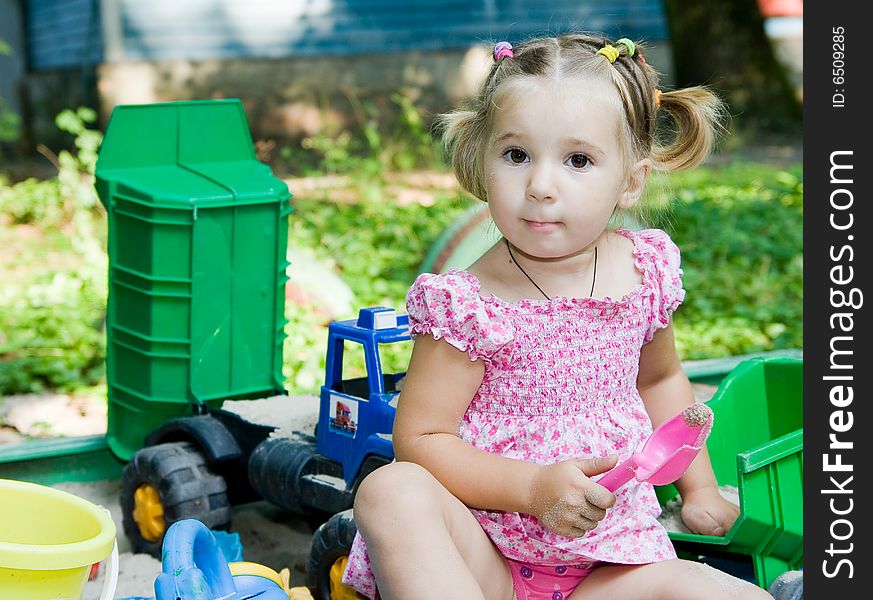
{"x": 331, "y": 541}
{"x": 276, "y": 467}
{"x": 188, "y": 489}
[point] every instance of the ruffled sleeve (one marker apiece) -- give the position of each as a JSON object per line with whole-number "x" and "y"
{"x": 664, "y": 274}
{"x": 448, "y": 306}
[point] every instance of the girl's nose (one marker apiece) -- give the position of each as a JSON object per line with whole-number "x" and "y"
{"x": 541, "y": 185}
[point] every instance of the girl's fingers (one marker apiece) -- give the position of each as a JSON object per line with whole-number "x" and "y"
{"x": 595, "y": 513}
{"x": 578, "y": 528}
{"x": 599, "y": 496}
{"x": 574, "y": 517}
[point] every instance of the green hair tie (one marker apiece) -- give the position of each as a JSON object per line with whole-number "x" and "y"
{"x": 631, "y": 47}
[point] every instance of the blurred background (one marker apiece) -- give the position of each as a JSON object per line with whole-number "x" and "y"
{"x": 340, "y": 96}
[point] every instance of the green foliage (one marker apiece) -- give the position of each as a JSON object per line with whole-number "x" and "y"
{"x": 10, "y": 123}
{"x": 740, "y": 231}
{"x": 87, "y": 141}
{"x": 376, "y": 248}
{"x": 33, "y": 201}
{"x": 53, "y": 300}
{"x": 404, "y": 145}
{"x": 303, "y": 351}
{"x": 68, "y": 199}
{"x": 50, "y": 334}
{"x": 412, "y": 145}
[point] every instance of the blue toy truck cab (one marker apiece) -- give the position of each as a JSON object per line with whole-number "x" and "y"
{"x": 356, "y": 415}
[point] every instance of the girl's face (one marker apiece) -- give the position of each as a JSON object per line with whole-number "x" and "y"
{"x": 554, "y": 168}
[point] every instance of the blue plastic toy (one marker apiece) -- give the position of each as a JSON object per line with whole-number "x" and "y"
{"x": 193, "y": 567}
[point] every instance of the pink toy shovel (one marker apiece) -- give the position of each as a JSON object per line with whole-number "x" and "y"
{"x": 667, "y": 453}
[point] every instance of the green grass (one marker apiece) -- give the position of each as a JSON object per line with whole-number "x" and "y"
{"x": 740, "y": 231}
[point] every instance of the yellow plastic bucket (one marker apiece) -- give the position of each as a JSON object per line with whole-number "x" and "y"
{"x": 48, "y": 541}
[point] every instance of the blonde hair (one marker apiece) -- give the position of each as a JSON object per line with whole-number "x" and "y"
{"x": 695, "y": 111}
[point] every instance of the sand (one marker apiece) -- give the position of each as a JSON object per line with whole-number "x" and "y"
{"x": 288, "y": 414}
{"x": 270, "y": 535}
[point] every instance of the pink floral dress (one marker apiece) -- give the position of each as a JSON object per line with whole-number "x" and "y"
{"x": 560, "y": 384}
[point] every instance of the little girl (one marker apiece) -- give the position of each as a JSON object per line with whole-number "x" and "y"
{"x": 551, "y": 357}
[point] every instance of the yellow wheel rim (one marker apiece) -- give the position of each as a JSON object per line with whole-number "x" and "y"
{"x": 338, "y": 591}
{"x": 148, "y": 512}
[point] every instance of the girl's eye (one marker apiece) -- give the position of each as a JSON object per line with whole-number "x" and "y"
{"x": 579, "y": 161}
{"x": 516, "y": 155}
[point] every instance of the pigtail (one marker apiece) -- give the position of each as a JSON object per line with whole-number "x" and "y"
{"x": 698, "y": 116}
{"x": 463, "y": 132}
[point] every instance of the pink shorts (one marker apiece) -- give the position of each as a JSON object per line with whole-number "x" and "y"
{"x": 537, "y": 582}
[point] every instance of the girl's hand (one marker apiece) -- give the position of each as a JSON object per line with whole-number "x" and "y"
{"x": 566, "y": 501}
{"x": 704, "y": 511}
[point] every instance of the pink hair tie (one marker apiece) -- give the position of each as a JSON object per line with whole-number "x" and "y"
{"x": 502, "y": 49}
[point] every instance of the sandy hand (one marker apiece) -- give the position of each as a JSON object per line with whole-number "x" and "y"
{"x": 566, "y": 501}
{"x": 706, "y": 512}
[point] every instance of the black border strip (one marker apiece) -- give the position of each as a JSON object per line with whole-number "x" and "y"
{"x": 836, "y": 278}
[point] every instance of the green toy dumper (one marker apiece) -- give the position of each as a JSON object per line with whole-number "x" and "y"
{"x": 756, "y": 446}
{"x": 198, "y": 230}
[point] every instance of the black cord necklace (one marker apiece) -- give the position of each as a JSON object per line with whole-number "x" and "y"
{"x": 515, "y": 262}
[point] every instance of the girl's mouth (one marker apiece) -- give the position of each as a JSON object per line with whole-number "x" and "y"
{"x": 542, "y": 226}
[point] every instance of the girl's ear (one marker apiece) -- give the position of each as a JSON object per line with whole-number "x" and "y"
{"x": 635, "y": 183}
